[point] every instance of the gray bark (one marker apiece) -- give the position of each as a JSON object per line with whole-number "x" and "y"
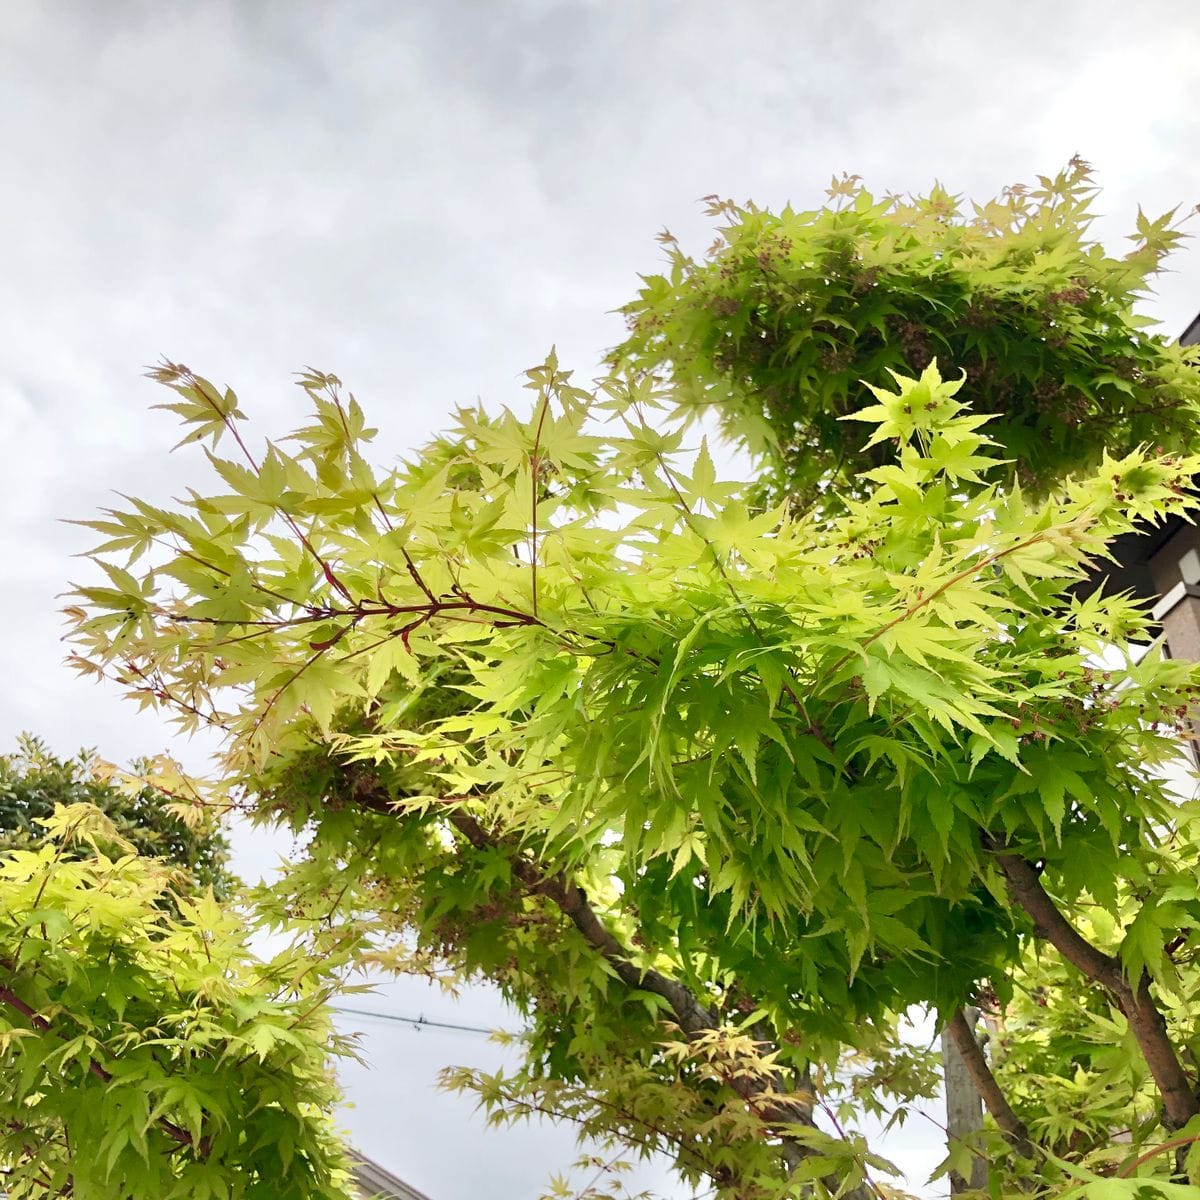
{"x": 964, "y": 1107}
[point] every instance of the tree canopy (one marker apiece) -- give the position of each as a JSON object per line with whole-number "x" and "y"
{"x": 778, "y": 327}
{"x": 715, "y": 785}
{"x": 141, "y": 804}
{"x": 145, "y": 1050}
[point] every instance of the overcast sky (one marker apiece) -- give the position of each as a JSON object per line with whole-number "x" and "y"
{"x": 423, "y": 197}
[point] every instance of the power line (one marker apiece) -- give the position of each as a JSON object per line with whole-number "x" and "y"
{"x": 417, "y": 1022}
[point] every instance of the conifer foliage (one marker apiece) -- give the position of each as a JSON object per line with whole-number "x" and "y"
{"x": 145, "y": 808}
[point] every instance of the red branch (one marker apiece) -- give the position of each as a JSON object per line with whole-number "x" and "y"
{"x": 1126, "y": 1172}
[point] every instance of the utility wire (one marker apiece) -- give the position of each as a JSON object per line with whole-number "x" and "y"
{"x": 417, "y": 1022}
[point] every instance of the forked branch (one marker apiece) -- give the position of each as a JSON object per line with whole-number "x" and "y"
{"x": 1146, "y": 1022}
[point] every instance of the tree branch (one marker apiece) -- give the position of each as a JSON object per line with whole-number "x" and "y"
{"x": 967, "y": 1045}
{"x": 692, "y": 1016}
{"x": 175, "y": 1132}
{"x": 1145, "y": 1020}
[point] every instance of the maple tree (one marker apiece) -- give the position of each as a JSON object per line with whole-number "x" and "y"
{"x": 777, "y": 328}
{"x": 34, "y": 781}
{"x": 716, "y": 780}
{"x": 146, "y": 1050}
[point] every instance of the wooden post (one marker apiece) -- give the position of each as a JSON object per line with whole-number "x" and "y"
{"x": 964, "y": 1108}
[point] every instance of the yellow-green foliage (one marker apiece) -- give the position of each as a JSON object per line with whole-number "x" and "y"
{"x": 144, "y": 1049}
{"x": 777, "y": 327}
{"x": 712, "y": 792}
{"x": 161, "y": 821}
